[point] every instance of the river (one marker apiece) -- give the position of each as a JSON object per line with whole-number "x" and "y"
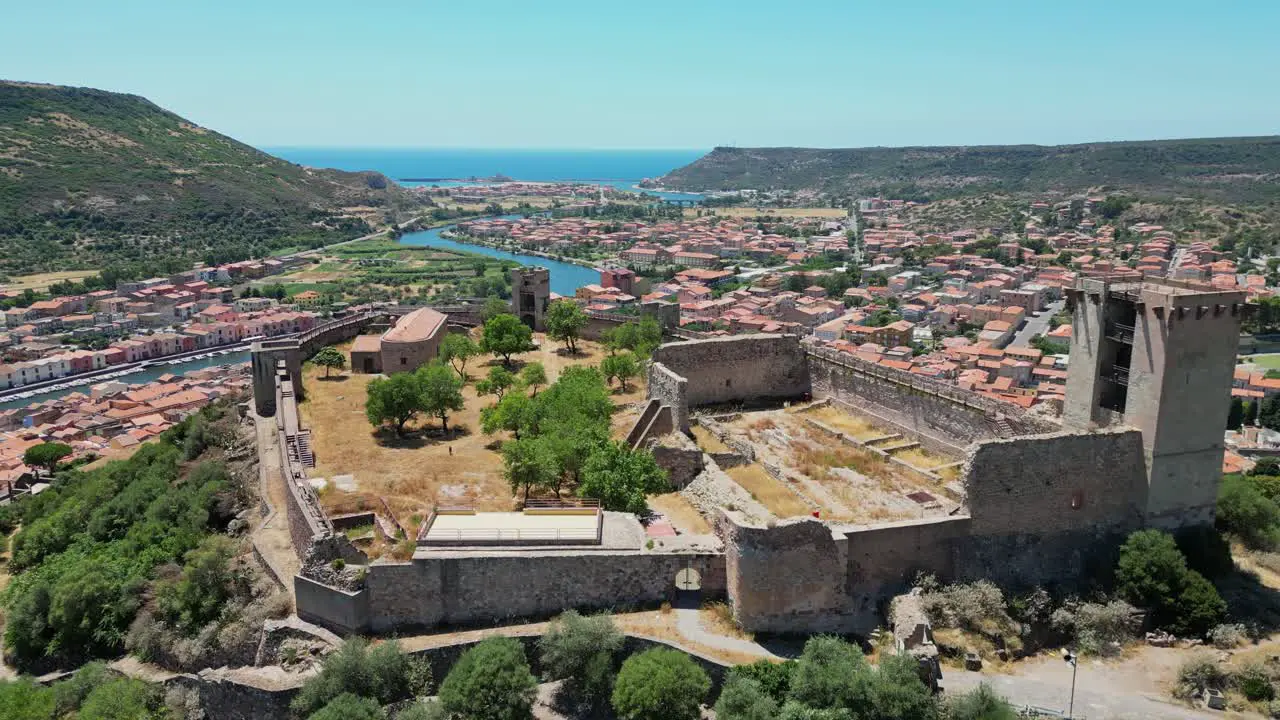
{"x": 566, "y": 278}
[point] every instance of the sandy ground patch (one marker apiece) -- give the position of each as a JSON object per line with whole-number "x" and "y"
{"x": 42, "y": 281}
{"x": 768, "y": 491}
{"x": 680, "y": 513}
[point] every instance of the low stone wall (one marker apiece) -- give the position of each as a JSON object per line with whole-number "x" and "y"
{"x": 470, "y": 588}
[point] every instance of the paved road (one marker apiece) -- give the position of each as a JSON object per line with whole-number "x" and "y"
{"x": 1104, "y": 690}
{"x": 1037, "y": 324}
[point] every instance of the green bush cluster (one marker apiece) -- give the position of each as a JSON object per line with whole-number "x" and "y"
{"x": 92, "y": 693}
{"x": 1248, "y": 509}
{"x": 1152, "y": 573}
{"x": 88, "y": 546}
{"x": 358, "y": 675}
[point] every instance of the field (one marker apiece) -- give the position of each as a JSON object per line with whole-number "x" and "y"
{"x": 381, "y": 268}
{"x": 42, "y": 281}
{"x": 424, "y": 469}
{"x": 750, "y": 212}
{"x": 1266, "y": 362}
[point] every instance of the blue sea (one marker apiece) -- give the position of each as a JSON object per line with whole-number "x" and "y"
{"x": 619, "y": 168}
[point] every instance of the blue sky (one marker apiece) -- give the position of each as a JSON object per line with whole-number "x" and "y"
{"x": 658, "y": 74}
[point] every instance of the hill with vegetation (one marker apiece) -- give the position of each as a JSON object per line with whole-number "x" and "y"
{"x": 1244, "y": 170}
{"x": 92, "y": 179}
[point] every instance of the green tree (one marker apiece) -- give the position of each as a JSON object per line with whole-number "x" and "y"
{"x": 580, "y": 650}
{"x": 533, "y": 375}
{"x": 441, "y": 391}
{"x": 456, "y": 349}
{"x": 383, "y": 673}
{"x": 512, "y": 413}
{"x": 505, "y": 335}
{"x": 397, "y": 399}
{"x": 1269, "y": 411}
{"x": 528, "y": 463}
{"x": 659, "y": 684}
{"x": 1153, "y": 573}
{"x": 565, "y": 322}
{"x": 330, "y": 358}
{"x": 122, "y": 699}
{"x": 491, "y": 681}
{"x": 1197, "y": 608}
{"x": 1235, "y": 416}
{"x": 208, "y": 579}
{"x": 620, "y": 478}
{"x": 497, "y": 383}
{"x": 641, "y": 337}
{"x": 774, "y": 678}
{"x": 1246, "y": 512}
{"x": 350, "y": 707}
{"x": 744, "y": 699}
{"x": 493, "y": 307}
{"x": 622, "y": 366}
{"x": 46, "y": 455}
{"x": 830, "y": 673}
{"x": 22, "y": 699}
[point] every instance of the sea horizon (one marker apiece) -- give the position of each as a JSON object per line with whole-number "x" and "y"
{"x": 530, "y": 164}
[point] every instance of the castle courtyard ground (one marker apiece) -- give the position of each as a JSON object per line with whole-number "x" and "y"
{"x": 427, "y": 467}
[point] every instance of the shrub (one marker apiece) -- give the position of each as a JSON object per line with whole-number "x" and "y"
{"x": 122, "y": 699}
{"x": 659, "y": 684}
{"x": 745, "y": 699}
{"x": 1096, "y": 627}
{"x": 774, "y": 678}
{"x": 382, "y": 673}
{"x": 1198, "y": 673}
{"x": 491, "y": 681}
{"x": 1197, "y": 608}
{"x": 1254, "y": 683}
{"x": 580, "y": 651}
{"x": 970, "y": 606}
{"x": 423, "y": 711}
{"x": 828, "y": 673}
{"x": 22, "y": 699}
{"x": 1225, "y": 637}
{"x": 349, "y": 707}
{"x": 1244, "y": 511}
{"x": 1153, "y": 573}
{"x": 797, "y": 711}
{"x": 980, "y": 703}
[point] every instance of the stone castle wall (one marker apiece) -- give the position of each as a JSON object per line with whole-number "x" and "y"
{"x": 671, "y": 390}
{"x": 742, "y": 369}
{"x": 1049, "y": 510}
{"x": 919, "y": 405}
{"x": 465, "y": 588}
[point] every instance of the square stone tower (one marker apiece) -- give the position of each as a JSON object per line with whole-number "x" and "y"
{"x": 1158, "y": 355}
{"x": 530, "y": 295}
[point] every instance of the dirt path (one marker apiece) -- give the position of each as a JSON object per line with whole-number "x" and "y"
{"x": 271, "y": 537}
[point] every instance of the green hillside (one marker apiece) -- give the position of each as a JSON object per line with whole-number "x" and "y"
{"x": 1223, "y": 169}
{"x": 92, "y": 179}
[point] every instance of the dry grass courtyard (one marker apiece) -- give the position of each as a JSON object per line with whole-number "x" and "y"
{"x": 426, "y": 468}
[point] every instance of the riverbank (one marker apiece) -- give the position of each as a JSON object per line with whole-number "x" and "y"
{"x": 516, "y": 249}
{"x": 567, "y": 275}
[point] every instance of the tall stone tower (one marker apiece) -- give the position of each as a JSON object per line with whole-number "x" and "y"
{"x": 1158, "y": 356}
{"x": 530, "y": 295}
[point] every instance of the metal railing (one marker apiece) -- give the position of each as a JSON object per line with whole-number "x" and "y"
{"x": 1119, "y": 376}
{"x": 1120, "y": 332}
{"x": 509, "y": 535}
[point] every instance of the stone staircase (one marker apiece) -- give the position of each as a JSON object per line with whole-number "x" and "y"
{"x": 305, "y": 453}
